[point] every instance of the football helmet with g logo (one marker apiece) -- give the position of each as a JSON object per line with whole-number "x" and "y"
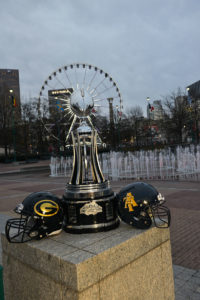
{"x": 140, "y": 204}
{"x": 41, "y": 214}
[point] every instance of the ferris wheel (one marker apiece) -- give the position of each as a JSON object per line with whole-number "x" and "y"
{"x": 77, "y": 92}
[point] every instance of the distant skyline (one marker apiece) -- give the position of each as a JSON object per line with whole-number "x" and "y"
{"x": 150, "y": 48}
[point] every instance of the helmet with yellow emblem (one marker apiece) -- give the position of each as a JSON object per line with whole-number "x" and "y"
{"x": 140, "y": 204}
{"x": 41, "y": 215}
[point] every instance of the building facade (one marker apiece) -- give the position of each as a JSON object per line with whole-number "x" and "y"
{"x": 9, "y": 81}
{"x": 155, "y": 110}
{"x": 55, "y": 104}
{"x": 194, "y": 94}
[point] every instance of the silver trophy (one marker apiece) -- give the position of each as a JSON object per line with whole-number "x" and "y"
{"x": 90, "y": 204}
{"x": 84, "y": 92}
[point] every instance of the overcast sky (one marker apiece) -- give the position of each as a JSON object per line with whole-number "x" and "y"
{"x": 149, "y": 47}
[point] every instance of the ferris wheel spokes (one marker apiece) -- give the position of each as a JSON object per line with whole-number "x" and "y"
{"x": 71, "y": 127}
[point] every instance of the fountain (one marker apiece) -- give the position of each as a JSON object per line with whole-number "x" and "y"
{"x": 181, "y": 164}
{"x": 60, "y": 166}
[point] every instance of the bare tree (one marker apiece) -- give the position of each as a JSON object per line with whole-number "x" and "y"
{"x": 28, "y": 120}
{"x": 175, "y": 115}
{"x": 134, "y": 117}
{"x": 134, "y": 112}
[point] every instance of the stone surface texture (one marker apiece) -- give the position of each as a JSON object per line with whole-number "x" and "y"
{"x": 124, "y": 263}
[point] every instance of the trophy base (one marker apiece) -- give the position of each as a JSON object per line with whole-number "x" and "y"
{"x": 90, "y": 208}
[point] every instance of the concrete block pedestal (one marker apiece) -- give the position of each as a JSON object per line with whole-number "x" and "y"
{"x": 124, "y": 263}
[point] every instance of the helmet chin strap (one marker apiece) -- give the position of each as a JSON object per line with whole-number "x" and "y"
{"x": 55, "y": 232}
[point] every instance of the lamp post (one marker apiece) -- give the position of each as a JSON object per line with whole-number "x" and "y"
{"x": 189, "y": 100}
{"x": 112, "y": 130}
{"x": 13, "y": 125}
{"x": 118, "y": 125}
{"x": 148, "y": 116}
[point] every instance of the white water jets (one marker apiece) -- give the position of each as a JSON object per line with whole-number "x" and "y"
{"x": 60, "y": 166}
{"x": 182, "y": 163}
{"x": 188, "y": 165}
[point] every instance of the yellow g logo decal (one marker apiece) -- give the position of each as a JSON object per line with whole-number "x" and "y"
{"x": 46, "y": 208}
{"x": 129, "y": 202}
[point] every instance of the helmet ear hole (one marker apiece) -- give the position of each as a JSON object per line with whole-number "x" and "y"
{"x": 144, "y": 221}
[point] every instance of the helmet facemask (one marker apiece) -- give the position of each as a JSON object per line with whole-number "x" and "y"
{"x": 20, "y": 230}
{"x": 161, "y": 216}
{"x": 160, "y": 213}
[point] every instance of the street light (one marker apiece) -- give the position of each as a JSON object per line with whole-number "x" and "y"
{"x": 112, "y": 129}
{"x": 118, "y": 125}
{"x": 148, "y": 116}
{"x": 148, "y": 106}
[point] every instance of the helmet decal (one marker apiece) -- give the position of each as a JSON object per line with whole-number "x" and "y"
{"x": 46, "y": 208}
{"x": 129, "y": 202}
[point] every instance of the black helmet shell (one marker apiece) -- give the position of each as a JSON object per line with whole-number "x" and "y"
{"x": 138, "y": 205}
{"x": 41, "y": 214}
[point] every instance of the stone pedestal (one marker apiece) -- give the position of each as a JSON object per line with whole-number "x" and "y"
{"x": 124, "y": 263}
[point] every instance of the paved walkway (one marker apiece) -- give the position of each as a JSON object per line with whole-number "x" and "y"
{"x": 183, "y": 199}
{"x": 23, "y": 167}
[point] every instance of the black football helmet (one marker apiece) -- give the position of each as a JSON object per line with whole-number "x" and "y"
{"x": 41, "y": 214}
{"x": 140, "y": 203}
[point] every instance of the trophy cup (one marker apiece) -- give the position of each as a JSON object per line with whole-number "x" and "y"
{"x": 85, "y": 92}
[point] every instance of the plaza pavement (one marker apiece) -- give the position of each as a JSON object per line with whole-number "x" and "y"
{"x": 183, "y": 199}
